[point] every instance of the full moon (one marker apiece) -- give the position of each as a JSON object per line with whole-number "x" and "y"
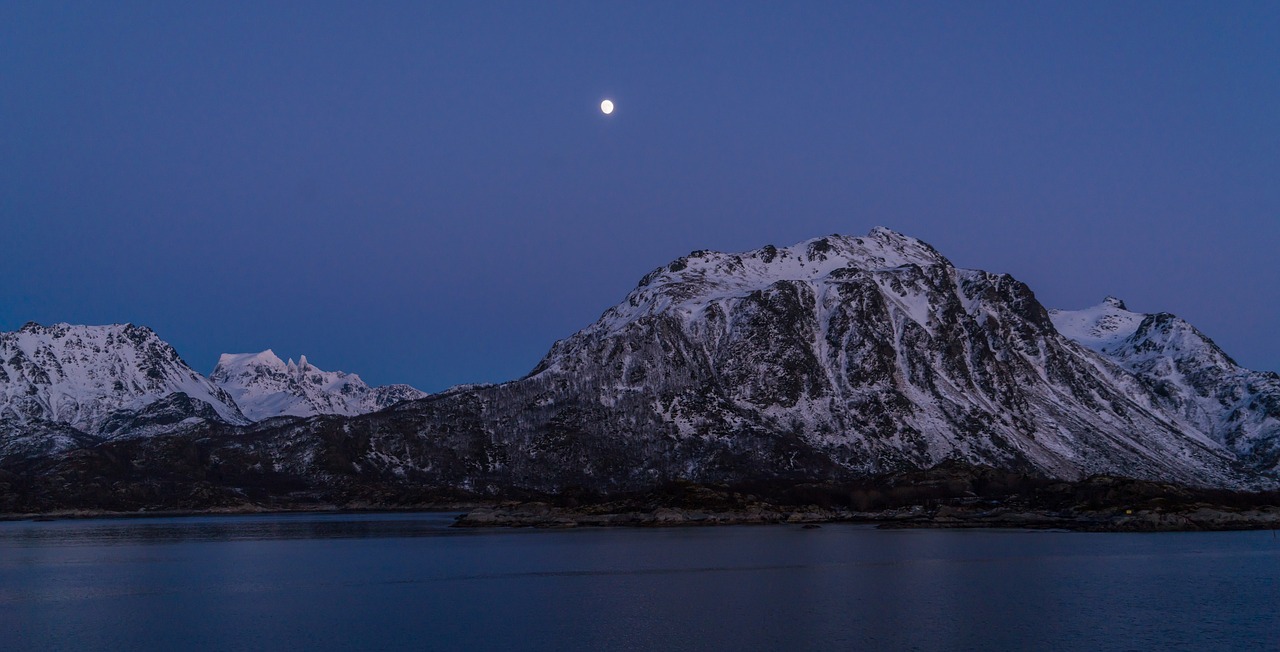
{"x": 606, "y": 107}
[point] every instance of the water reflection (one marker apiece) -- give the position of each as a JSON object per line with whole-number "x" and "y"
{"x": 396, "y": 581}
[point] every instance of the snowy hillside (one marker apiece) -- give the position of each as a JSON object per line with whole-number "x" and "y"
{"x": 1187, "y": 375}
{"x": 80, "y": 375}
{"x": 265, "y": 386}
{"x": 837, "y": 357}
{"x": 1102, "y": 327}
{"x": 876, "y": 353}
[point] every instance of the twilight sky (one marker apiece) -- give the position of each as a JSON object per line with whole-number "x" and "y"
{"x": 428, "y": 193}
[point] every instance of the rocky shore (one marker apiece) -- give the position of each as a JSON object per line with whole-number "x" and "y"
{"x": 943, "y": 497}
{"x": 946, "y": 496}
{"x": 1203, "y": 518}
{"x": 513, "y": 514}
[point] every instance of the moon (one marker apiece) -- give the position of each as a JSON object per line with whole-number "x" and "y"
{"x": 606, "y": 107}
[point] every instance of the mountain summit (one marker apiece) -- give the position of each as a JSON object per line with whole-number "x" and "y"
{"x": 854, "y": 354}
{"x": 265, "y": 386}
{"x": 80, "y": 375}
{"x": 64, "y": 387}
{"x": 1186, "y": 376}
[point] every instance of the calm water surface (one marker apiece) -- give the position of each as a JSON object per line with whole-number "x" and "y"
{"x": 406, "y": 581}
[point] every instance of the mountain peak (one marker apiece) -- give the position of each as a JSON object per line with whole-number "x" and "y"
{"x": 694, "y": 282}
{"x": 885, "y": 234}
{"x": 263, "y": 358}
{"x": 78, "y": 375}
{"x": 300, "y": 367}
{"x": 1101, "y": 327}
{"x": 811, "y": 259}
{"x": 265, "y": 386}
{"x": 871, "y": 352}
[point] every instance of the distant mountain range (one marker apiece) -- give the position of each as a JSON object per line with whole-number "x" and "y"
{"x": 837, "y": 357}
{"x": 87, "y": 384}
{"x": 264, "y": 386}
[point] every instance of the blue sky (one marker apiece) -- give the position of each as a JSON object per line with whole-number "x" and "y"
{"x": 428, "y": 193}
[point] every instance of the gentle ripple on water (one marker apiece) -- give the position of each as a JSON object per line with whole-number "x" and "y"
{"x": 394, "y": 581}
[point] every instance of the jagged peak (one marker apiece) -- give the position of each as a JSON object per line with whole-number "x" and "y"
{"x": 264, "y": 386}
{"x": 885, "y": 234}
{"x": 301, "y": 366}
{"x": 250, "y": 364}
{"x": 1114, "y": 302}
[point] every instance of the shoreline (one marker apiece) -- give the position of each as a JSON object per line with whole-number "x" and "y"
{"x": 540, "y": 515}
{"x": 1201, "y": 519}
{"x": 246, "y": 510}
{"x": 946, "y": 496}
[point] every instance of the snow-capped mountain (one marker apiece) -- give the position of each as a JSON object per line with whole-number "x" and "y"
{"x": 1187, "y": 374}
{"x": 265, "y": 386}
{"x": 873, "y": 352}
{"x": 836, "y": 357}
{"x": 79, "y": 376}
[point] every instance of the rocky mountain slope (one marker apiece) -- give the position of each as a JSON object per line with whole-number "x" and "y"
{"x": 65, "y": 387}
{"x": 80, "y": 375}
{"x": 264, "y": 386}
{"x": 1187, "y": 375}
{"x": 836, "y": 356}
{"x": 839, "y": 357}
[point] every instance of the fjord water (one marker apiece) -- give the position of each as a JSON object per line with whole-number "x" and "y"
{"x": 408, "y": 581}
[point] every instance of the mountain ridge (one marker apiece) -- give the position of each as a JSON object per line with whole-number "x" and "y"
{"x": 835, "y": 358}
{"x": 79, "y": 375}
{"x": 1189, "y": 373}
{"x": 66, "y": 386}
{"x": 266, "y": 386}
{"x": 900, "y": 282}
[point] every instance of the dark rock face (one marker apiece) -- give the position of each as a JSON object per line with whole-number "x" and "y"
{"x": 834, "y": 359}
{"x": 168, "y": 414}
{"x": 387, "y": 395}
{"x": 23, "y": 442}
{"x": 848, "y": 356}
